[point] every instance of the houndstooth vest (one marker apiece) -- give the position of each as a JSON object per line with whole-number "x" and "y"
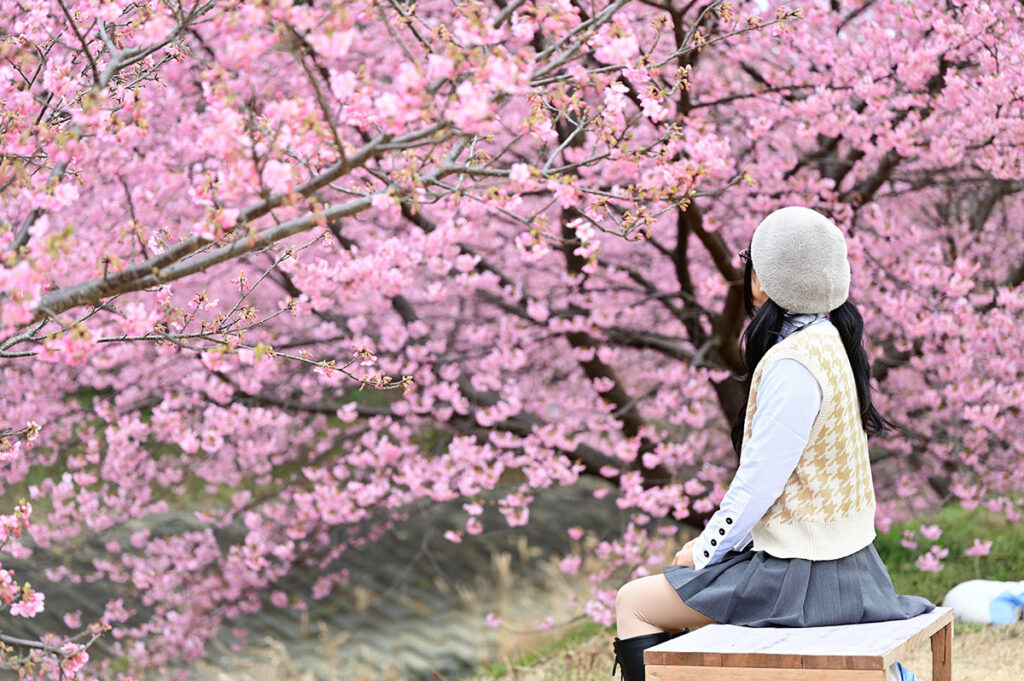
{"x": 827, "y": 508}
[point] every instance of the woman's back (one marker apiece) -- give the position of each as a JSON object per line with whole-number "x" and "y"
{"x": 826, "y": 509}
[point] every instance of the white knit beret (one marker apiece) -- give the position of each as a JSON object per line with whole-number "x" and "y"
{"x": 800, "y": 259}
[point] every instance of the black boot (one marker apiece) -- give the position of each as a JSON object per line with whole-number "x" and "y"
{"x": 629, "y": 654}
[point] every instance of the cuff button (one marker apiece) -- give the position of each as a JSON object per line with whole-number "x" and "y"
{"x": 714, "y": 542}
{"x": 706, "y": 554}
{"x": 728, "y": 521}
{"x": 722, "y": 532}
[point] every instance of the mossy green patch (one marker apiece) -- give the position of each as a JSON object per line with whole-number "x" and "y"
{"x": 1005, "y": 562}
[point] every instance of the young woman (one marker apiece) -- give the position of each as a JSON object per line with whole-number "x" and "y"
{"x": 791, "y": 543}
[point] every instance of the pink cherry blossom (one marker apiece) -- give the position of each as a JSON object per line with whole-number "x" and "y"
{"x": 519, "y": 173}
{"x": 615, "y": 44}
{"x": 932, "y": 560}
{"x": 72, "y": 664}
{"x": 30, "y": 605}
{"x": 928, "y": 562}
{"x": 570, "y": 565}
{"x": 931, "y": 532}
{"x": 137, "y": 320}
{"x": 472, "y": 111}
{"x": 979, "y": 548}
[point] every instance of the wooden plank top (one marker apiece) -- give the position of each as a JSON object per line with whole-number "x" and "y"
{"x": 852, "y": 646}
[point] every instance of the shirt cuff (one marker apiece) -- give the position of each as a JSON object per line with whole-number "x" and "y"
{"x": 723, "y": 531}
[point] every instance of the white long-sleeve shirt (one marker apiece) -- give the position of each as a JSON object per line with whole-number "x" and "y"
{"x": 788, "y": 401}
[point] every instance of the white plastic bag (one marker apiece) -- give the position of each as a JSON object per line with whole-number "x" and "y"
{"x": 982, "y": 601}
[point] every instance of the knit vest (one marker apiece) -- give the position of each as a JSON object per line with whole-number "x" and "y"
{"x": 827, "y": 508}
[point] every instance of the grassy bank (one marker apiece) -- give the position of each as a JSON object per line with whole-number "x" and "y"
{"x": 579, "y": 636}
{"x": 1005, "y": 562}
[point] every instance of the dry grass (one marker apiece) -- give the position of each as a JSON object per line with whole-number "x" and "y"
{"x": 588, "y": 661}
{"x": 979, "y": 654}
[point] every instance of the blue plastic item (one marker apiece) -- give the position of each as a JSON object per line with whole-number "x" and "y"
{"x": 897, "y": 672}
{"x": 1005, "y": 608}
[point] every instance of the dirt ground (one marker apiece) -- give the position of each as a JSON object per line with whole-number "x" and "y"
{"x": 991, "y": 654}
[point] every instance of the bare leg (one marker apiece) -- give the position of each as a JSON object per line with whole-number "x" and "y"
{"x": 649, "y": 605}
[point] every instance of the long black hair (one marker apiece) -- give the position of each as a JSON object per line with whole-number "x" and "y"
{"x": 763, "y": 330}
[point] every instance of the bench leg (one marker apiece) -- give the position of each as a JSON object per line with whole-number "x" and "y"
{"x": 942, "y": 654}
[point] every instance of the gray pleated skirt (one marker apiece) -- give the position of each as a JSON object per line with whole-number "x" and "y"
{"x": 754, "y": 589}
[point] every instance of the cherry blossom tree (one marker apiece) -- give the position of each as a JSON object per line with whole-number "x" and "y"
{"x": 293, "y": 271}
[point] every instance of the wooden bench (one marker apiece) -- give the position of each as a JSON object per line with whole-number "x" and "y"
{"x": 855, "y": 652}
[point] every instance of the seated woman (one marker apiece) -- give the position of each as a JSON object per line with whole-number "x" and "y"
{"x": 791, "y": 543}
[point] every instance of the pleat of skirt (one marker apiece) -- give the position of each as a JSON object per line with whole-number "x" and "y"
{"x": 754, "y": 589}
